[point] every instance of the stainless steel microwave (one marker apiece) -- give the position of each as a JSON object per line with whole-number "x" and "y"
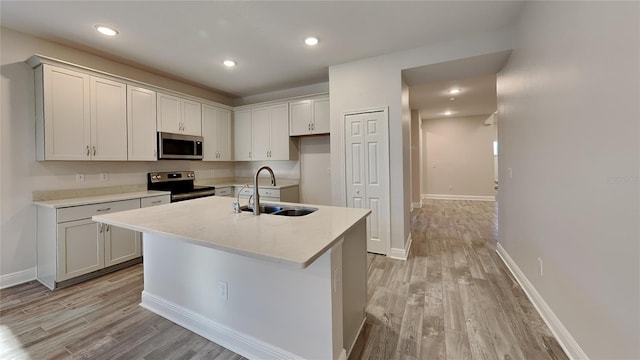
{"x": 178, "y": 146}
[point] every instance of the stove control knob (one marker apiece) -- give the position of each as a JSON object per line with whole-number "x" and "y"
{"x": 189, "y": 175}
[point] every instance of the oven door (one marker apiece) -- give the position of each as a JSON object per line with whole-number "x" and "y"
{"x": 178, "y": 146}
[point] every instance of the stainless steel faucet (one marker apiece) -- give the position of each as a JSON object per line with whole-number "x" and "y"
{"x": 256, "y": 194}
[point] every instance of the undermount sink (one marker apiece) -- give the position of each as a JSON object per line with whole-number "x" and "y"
{"x": 282, "y": 210}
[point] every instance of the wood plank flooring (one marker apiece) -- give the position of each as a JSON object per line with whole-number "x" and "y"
{"x": 452, "y": 299}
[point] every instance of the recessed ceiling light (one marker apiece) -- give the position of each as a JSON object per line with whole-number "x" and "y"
{"x": 106, "y": 30}
{"x": 311, "y": 41}
{"x": 448, "y": 113}
{"x": 454, "y": 91}
{"x": 229, "y": 63}
{"x": 452, "y": 99}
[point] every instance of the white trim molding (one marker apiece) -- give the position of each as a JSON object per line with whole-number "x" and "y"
{"x": 568, "y": 343}
{"x": 459, "y": 197}
{"x": 233, "y": 340}
{"x": 402, "y": 254}
{"x": 416, "y": 205}
{"x": 17, "y": 278}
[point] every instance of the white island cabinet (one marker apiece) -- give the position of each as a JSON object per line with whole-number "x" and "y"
{"x": 265, "y": 287}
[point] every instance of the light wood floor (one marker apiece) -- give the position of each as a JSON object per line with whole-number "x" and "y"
{"x": 452, "y": 299}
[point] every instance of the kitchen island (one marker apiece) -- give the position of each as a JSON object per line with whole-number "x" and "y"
{"x": 266, "y": 287}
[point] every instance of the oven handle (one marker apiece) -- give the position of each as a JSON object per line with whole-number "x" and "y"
{"x": 190, "y": 195}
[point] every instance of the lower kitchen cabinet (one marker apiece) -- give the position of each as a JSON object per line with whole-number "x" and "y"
{"x": 286, "y": 194}
{"x": 224, "y": 191}
{"x": 71, "y": 246}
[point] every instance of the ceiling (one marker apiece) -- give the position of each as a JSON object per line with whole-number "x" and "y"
{"x": 475, "y": 77}
{"x": 189, "y": 40}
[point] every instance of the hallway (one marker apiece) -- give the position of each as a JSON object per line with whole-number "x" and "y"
{"x": 453, "y": 298}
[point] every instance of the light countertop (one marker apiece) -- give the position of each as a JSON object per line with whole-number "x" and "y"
{"x": 211, "y": 222}
{"x": 95, "y": 199}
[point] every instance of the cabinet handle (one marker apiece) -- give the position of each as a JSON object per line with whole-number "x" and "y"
{"x": 100, "y": 228}
{"x": 249, "y": 154}
{"x": 309, "y": 127}
{"x": 105, "y": 209}
{"x": 94, "y": 151}
{"x": 156, "y": 202}
{"x": 106, "y": 228}
{"x": 313, "y": 126}
{"x": 88, "y": 150}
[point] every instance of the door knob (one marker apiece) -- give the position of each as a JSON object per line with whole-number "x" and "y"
{"x": 357, "y": 191}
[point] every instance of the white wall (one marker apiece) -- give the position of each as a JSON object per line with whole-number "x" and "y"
{"x": 282, "y": 169}
{"x": 458, "y": 156}
{"x": 315, "y": 163}
{"x": 416, "y": 157}
{"x": 376, "y": 82}
{"x": 568, "y": 106}
{"x": 21, "y": 174}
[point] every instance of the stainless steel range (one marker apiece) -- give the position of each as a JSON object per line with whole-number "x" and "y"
{"x": 180, "y": 184}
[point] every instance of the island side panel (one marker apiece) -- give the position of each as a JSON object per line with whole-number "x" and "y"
{"x": 272, "y": 311}
{"x": 354, "y": 267}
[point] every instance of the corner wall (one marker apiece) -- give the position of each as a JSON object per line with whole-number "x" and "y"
{"x": 569, "y": 132}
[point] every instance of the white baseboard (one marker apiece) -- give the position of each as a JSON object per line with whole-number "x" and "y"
{"x": 233, "y": 340}
{"x": 402, "y": 254}
{"x": 18, "y": 277}
{"x": 566, "y": 341}
{"x": 458, "y": 197}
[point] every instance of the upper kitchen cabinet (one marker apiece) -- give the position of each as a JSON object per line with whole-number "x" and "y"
{"x": 216, "y": 130}
{"x": 79, "y": 116}
{"x": 242, "y": 133}
{"x": 309, "y": 117}
{"x": 178, "y": 115}
{"x": 262, "y": 133}
{"x": 141, "y": 124}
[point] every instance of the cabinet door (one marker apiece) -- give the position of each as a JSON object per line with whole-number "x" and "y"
{"x": 300, "y": 118}
{"x": 321, "y": 117}
{"x": 120, "y": 244}
{"x": 141, "y": 124}
{"x": 260, "y": 122}
{"x": 169, "y": 113}
{"x": 80, "y": 249}
{"x": 67, "y": 115}
{"x": 242, "y": 131}
{"x": 191, "y": 117}
{"x": 224, "y": 135}
{"x": 279, "y": 132}
{"x": 210, "y": 133}
{"x": 108, "y": 119}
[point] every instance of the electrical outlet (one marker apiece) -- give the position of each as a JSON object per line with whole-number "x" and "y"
{"x": 328, "y": 171}
{"x": 450, "y": 187}
{"x": 510, "y": 171}
{"x": 79, "y": 177}
{"x": 540, "y": 263}
{"x": 104, "y": 176}
{"x": 223, "y": 290}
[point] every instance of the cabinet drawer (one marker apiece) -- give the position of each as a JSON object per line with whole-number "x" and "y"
{"x": 155, "y": 200}
{"x": 223, "y": 191}
{"x": 270, "y": 192}
{"x": 87, "y": 211}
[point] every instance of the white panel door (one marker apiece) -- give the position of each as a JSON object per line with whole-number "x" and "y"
{"x": 279, "y": 133}
{"x": 210, "y": 133}
{"x": 169, "y": 113}
{"x": 223, "y": 117}
{"x": 242, "y": 132}
{"x": 80, "y": 249}
{"x": 321, "y": 120}
{"x": 108, "y": 119}
{"x": 67, "y": 121}
{"x": 261, "y": 124}
{"x": 120, "y": 244}
{"x": 191, "y": 117}
{"x": 141, "y": 124}
{"x": 300, "y": 118}
{"x": 367, "y": 174}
